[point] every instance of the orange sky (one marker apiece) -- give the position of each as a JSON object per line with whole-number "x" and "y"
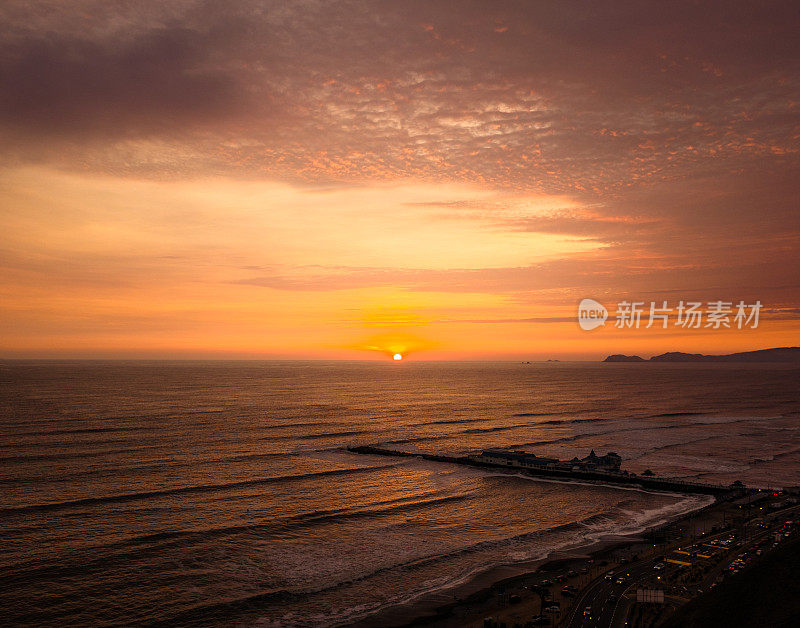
{"x": 349, "y": 182}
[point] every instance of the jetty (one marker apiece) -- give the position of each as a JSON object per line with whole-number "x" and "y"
{"x": 593, "y": 468}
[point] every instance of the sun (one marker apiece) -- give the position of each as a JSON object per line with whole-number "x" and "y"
{"x": 397, "y": 356}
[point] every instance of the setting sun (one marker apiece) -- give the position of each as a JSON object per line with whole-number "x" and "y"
{"x": 218, "y": 221}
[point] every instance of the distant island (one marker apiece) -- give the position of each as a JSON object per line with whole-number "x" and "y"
{"x": 779, "y": 354}
{"x": 618, "y": 357}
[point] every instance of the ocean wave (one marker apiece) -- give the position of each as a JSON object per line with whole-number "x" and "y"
{"x": 167, "y": 464}
{"x": 137, "y": 548}
{"x": 449, "y": 422}
{"x": 588, "y": 530}
{"x": 533, "y": 545}
{"x": 417, "y": 439}
{"x": 262, "y": 456}
{"x": 301, "y": 424}
{"x": 659, "y": 448}
{"x": 499, "y": 428}
{"x": 82, "y": 430}
{"x": 78, "y": 454}
{"x": 316, "y": 436}
{"x": 206, "y": 613}
{"x": 655, "y": 517}
{"x": 767, "y": 458}
{"x": 567, "y": 421}
{"x": 669, "y": 414}
{"x": 164, "y": 465}
{"x": 183, "y": 490}
{"x": 260, "y": 602}
{"x": 638, "y": 428}
{"x": 536, "y": 413}
{"x": 594, "y": 484}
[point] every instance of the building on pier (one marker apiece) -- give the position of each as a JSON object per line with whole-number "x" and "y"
{"x": 609, "y": 463}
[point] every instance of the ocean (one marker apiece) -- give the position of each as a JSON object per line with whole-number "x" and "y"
{"x": 221, "y": 493}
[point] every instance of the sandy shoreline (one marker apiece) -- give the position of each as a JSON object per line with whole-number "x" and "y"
{"x": 476, "y": 593}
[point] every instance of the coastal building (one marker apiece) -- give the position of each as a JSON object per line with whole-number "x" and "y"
{"x": 516, "y": 459}
{"x": 609, "y": 463}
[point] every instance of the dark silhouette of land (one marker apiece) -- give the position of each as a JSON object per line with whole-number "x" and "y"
{"x": 618, "y": 357}
{"x": 778, "y": 354}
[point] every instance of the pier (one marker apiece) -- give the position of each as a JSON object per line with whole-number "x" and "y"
{"x": 671, "y": 485}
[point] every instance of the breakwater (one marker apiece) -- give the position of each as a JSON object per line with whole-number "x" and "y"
{"x": 672, "y": 485}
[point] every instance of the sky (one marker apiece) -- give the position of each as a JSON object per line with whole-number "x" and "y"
{"x": 350, "y": 180}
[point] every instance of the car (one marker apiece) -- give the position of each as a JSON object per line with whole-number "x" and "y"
{"x": 621, "y": 580}
{"x": 658, "y": 566}
{"x": 587, "y": 612}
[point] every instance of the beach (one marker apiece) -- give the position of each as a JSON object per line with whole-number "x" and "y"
{"x": 516, "y": 600}
{"x": 489, "y": 593}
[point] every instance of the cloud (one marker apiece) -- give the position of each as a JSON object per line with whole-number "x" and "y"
{"x": 574, "y": 99}
{"x": 154, "y": 83}
{"x": 525, "y": 152}
{"x": 596, "y": 226}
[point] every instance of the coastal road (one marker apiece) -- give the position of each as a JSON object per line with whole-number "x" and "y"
{"x": 604, "y": 613}
{"x": 596, "y": 596}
